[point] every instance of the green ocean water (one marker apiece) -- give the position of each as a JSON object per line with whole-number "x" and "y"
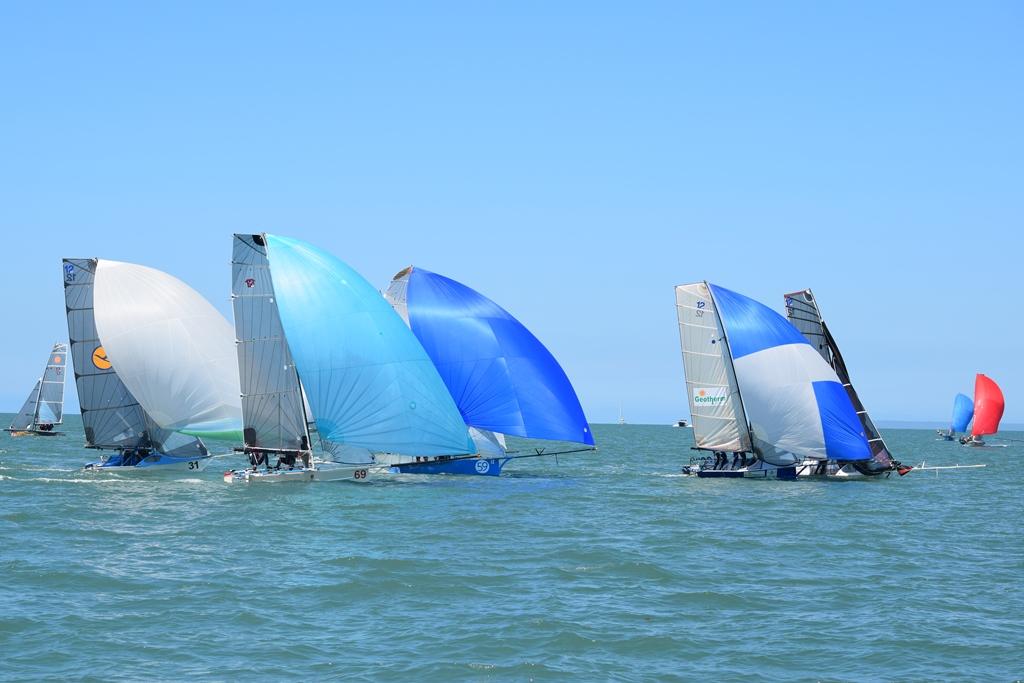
{"x": 610, "y": 566}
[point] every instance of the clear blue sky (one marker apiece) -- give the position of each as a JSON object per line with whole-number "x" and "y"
{"x": 573, "y": 161}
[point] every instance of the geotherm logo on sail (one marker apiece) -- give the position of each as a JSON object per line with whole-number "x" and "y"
{"x": 710, "y": 397}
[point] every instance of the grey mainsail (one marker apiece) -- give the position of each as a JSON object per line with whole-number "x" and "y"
{"x": 111, "y": 416}
{"x": 51, "y": 392}
{"x": 273, "y": 407}
{"x": 716, "y": 408}
{"x": 803, "y": 312}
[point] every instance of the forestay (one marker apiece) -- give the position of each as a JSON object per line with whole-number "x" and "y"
{"x": 803, "y": 312}
{"x": 502, "y": 378}
{"x": 368, "y": 380}
{"x": 796, "y": 405}
{"x": 111, "y": 416}
{"x": 716, "y": 409}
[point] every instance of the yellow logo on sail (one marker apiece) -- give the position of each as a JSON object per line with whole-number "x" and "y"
{"x": 99, "y": 358}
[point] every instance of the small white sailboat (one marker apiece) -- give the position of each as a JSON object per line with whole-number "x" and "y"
{"x": 763, "y": 402}
{"x": 325, "y": 361}
{"x": 154, "y": 366}
{"x": 622, "y": 418}
{"x": 44, "y": 408}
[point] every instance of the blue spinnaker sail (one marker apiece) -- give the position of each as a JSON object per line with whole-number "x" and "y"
{"x": 368, "y": 380}
{"x": 963, "y": 411}
{"x": 796, "y": 405}
{"x": 500, "y": 375}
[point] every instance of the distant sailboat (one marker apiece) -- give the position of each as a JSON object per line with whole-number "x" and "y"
{"x": 622, "y": 418}
{"x": 44, "y": 407}
{"x": 501, "y": 377}
{"x": 757, "y": 388}
{"x": 324, "y": 358}
{"x": 803, "y": 312}
{"x": 153, "y": 361}
{"x": 963, "y": 411}
{"x": 988, "y": 410}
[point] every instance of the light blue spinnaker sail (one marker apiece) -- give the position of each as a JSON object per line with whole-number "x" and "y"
{"x": 501, "y": 377}
{"x": 368, "y": 381}
{"x": 794, "y": 400}
{"x": 963, "y": 411}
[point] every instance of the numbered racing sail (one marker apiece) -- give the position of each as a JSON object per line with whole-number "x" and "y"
{"x": 50, "y": 408}
{"x": 963, "y": 411}
{"x": 501, "y": 377}
{"x": 988, "y": 406}
{"x": 796, "y": 406}
{"x": 716, "y": 409}
{"x": 111, "y": 415}
{"x": 44, "y": 407}
{"x": 803, "y": 312}
{"x": 368, "y": 382}
{"x": 275, "y": 417}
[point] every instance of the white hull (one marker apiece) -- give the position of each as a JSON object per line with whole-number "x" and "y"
{"x": 153, "y": 467}
{"x": 319, "y": 472}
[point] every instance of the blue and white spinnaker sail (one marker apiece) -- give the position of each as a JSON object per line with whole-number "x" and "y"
{"x": 502, "y": 378}
{"x": 963, "y": 411}
{"x": 794, "y": 400}
{"x": 368, "y": 381}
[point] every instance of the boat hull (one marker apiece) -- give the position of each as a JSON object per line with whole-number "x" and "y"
{"x": 472, "y": 466}
{"x": 808, "y": 469}
{"x": 15, "y": 433}
{"x": 155, "y": 462}
{"x": 319, "y": 472}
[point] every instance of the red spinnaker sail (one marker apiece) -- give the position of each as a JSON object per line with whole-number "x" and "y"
{"x": 988, "y": 406}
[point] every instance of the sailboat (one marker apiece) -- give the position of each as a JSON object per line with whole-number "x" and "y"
{"x": 324, "y": 360}
{"x": 963, "y": 411}
{"x": 154, "y": 366}
{"x": 759, "y": 391}
{"x": 988, "y": 410}
{"x": 803, "y": 313}
{"x": 503, "y": 380}
{"x": 44, "y": 407}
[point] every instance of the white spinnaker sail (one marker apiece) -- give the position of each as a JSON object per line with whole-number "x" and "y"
{"x": 172, "y": 349}
{"x": 716, "y": 411}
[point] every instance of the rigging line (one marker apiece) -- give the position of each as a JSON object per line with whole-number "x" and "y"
{"x": 545, "y": 453}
